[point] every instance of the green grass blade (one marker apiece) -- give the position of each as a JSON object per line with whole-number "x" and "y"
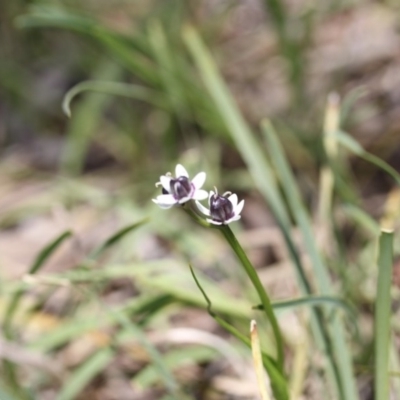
{"x": 85, "y": 373}
{"x": 383, "y": 315}
{"x": 9, "y": 368}
{"x": 115, "y": 238}
{"x": 167, "y": 67}
{"x": 314, "y": 301}
{"x": 136, "y": 92}
{"x": 176, "y": 358}
{"x": 87, "y": 117}
{"x": 240, "y": 132}
{"x": 37, "y": 264}
{"x": 347, "y": 141}
{"x": 337, "y": 335}
{"x": 131, "y": 52}
{"x": 157, "y": 360}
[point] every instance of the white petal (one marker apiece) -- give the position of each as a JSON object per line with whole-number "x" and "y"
{"x": 163, "y": 206}
{"x": 203, "y": 209}
{"x": 181, "y": 171}
{"x": 239, "y": 208}
{"x": 165, "y": 180}
{"x": 234, "y": 218}
{"x": 184, "y": 199}
{"x": 211, "y": 221}
{"x": 200, "y": 195}
{"x": 198, "y": 180}
{"x": 233, "y": 199}
{"x": 165, "y": 200}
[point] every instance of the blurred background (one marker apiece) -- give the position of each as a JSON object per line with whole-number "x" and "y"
{"x": 138, "y": 107}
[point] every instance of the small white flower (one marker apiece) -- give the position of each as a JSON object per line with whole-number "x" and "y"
{"x": 223, "y": 209}
{"x": 180, "y": 189}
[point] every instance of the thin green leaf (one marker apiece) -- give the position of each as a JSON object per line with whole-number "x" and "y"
{"x": 157, "y": 360}
{"x": 347, "y": 141}
{"x": 87, "y": 117}
{"x": 383, "y": 315}
{"x": 136, "y": 92}
{"x": 337, "y": 333}
{"x": 115, "y": 238}
{"x": 80, "y": 378}
{"x": 128, "y": 51}
{"x": 175, "y": 358}
{"x": 38, "y": 263}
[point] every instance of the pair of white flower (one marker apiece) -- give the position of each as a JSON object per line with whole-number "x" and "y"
{"x": 179, "y": 190}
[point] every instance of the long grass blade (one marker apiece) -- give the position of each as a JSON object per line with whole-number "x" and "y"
{"x": 383, "y": 315}
{"x": 337, "y": 333}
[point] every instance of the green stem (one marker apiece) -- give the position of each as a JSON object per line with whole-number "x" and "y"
{"x": 265, "y": 301}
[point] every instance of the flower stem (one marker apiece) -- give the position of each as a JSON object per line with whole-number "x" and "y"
{"x": 255, "y": 280}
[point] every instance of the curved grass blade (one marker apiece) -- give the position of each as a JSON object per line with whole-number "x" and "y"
{"x": 383, "y": 315}
{"x": 137, "y": 92}
{"x": 347, "y": 141}
{"x": 87, "y": 117}
{"x": 278, "y": 381}
{"x": 131, "y": 52}
{"x": 111, "y": 241}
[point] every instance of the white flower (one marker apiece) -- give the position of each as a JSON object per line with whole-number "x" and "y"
{"x": 180, "y": 189}
{"x": 223, "y": 209}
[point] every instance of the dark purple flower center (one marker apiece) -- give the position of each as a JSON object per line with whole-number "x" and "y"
{"x": 180, "y": 187}
{"x": 221, "y": 209}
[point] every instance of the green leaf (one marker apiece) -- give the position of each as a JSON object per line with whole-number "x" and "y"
{"x": 37, "y": 264}
{"x": 132, "y": 52}
{"x": 341, "y": 352}
{"x": 175, "y": 358}
{"x": 347, "y": 141}
{"x": 157, "y": 360}
{"x": 383, "y": 315}
{"x": 137, "y": 92}
{"x": 80, "y": 377}
{"x": 115, "y": 238}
